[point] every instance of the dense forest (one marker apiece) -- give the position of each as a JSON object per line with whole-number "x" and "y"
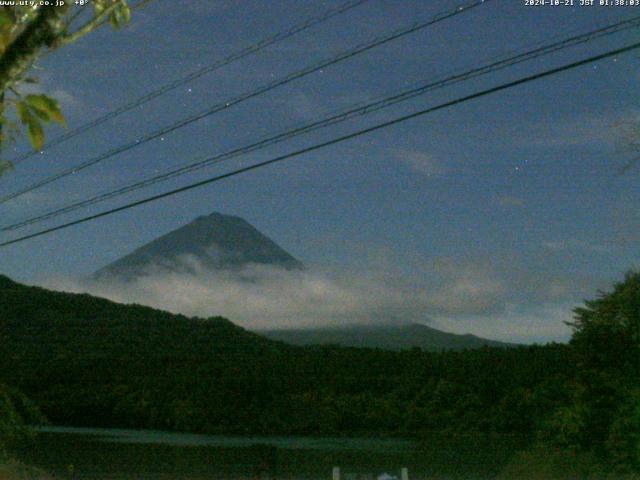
{"x": 86, "y": 361}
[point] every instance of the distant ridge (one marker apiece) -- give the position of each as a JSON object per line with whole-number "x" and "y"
{"x": 387, "y": 337}
{"x": 215, "y": 242}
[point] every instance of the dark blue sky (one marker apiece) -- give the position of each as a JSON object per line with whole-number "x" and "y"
{"x": 512, "y": 204}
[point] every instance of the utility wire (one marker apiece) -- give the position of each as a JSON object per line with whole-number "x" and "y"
{"x": 334, "y": 141}
{"x": 262, "y": 44}
{"x": 338, "y": 118}
{"x": 246, "y": 96}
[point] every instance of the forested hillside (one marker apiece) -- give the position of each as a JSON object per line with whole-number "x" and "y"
{"x": 91, "y": 362}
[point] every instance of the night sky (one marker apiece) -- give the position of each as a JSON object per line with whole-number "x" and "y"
{"x": 512, "y": 206}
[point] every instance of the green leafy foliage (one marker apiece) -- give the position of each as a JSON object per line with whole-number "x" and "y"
{"x": 21, "y": 46}
{"x": 120, "y": 15}
{"x": 623, "y": 441}
{"x": 27, "y": 117}
{"x": 603, "y": 417}
{"x": 32, "y": 111}
{"x": 607, "y": 329}
{"x": 120, "y": 12}
{"x": 15, "y": 412}
{"x": 46, "y": 108}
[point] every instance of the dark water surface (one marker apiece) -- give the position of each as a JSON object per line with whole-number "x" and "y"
{"x": 93, "y": 454}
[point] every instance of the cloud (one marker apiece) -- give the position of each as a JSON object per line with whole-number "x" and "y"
{"x": 467, "y": 289}
{"x": 625, "y": 219}
{"x": 26, "y": 204}
{"x": 540, "y": 324}
{"x": 608, "y": 130}
{"x": 576, "y": 244}
{"x": 67, "y": 100}
{"x": 303, "y": 106}
{"x": 481, "y": 297}
{"x": 260, "y": 297}
{"x": 508, "y": 201}
{"x": 422, "y": 163}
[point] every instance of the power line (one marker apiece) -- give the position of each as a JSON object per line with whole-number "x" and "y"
{"x": 246, "y": 96}
{"x": 352, "y": 112}
{"x": 334, "y": 141}
{"x": 262, "y": 44}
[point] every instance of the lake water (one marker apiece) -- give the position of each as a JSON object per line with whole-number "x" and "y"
{"x": 97, "y": 454}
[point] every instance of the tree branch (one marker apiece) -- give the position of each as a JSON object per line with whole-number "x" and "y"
{"x": 41, "y": 32}
{"x": 91, "y": 25}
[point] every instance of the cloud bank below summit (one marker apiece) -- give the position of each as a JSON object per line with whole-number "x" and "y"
{"x": 457, "y": 298}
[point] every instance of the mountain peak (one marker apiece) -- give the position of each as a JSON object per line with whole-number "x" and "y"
{"x": 213, "y": 242}
{"x": 218, "y": 217}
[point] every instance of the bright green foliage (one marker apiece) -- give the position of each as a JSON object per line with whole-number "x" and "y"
{"x": 45, "y": 108}
{"x": 32, "y": 111}
{"x": 120, "y": 16}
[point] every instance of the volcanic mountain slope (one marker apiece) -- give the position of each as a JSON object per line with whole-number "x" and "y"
{"x": 213, "y": 242}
